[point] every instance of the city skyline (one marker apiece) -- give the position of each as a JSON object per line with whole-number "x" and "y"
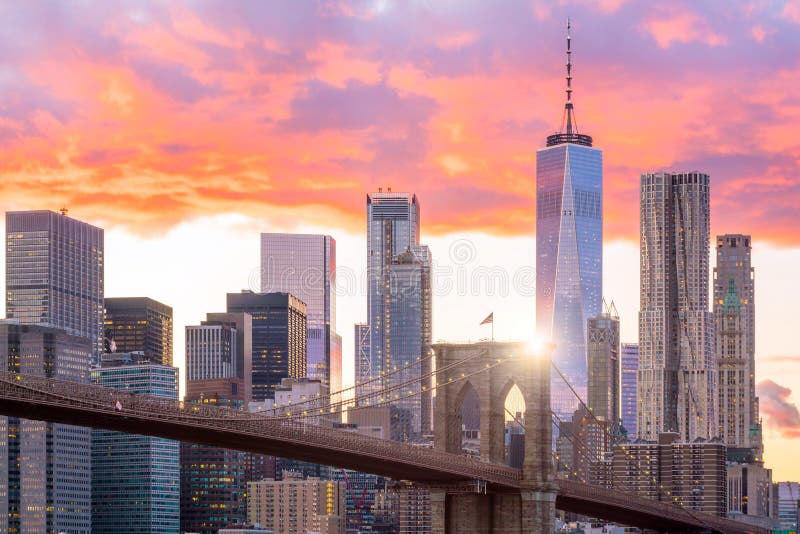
{"x": 774, "y": 237}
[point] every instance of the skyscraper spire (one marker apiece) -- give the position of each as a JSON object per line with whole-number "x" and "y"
{"x": 568, "y": 106}
{"x": 569, "y": 125}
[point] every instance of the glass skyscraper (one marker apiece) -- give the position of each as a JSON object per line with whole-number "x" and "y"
{"x": 399, "y": 310}
{"x": 139, "y": 324}
{"x": 278, "y": 340}
{"x": 135, "y": 479}
{"x": 392, "y": 227}
{"x": 45, "y": 481}
{"x": 54, "y": 274}
{"x": 305, "y": 266}
{"x": 569, "y": 248}
{"x": 628, "y": 371}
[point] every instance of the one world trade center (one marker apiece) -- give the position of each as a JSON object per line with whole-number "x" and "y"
{"x": 569, "y": 248}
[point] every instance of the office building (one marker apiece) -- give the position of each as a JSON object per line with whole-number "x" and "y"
{"x": 213, "y": 491}
{"x": 139, "y": 324}
{"x": 135, "y": 479}
{"x": 214, "y": 480}
{"x": 749, "y": 490}
{"x": 786, "y": 496}
{"x": 392, "y": 227}
{"x": 628, "y": 370}
{"x": 278, "y": 338}
{"x": 734, "y": 316}
{"x": 409, "y": 342}
{"x": 304, "y": 265}
{"x": 569, "y": 247}
{"x": 295, "y": 505}
{"x": 54, "y": 274}
{"x": 46, "y": 478}
{"x": 692, "y": 475}
{"x": 603, "y": 358}
{"x": 677, "y": 373}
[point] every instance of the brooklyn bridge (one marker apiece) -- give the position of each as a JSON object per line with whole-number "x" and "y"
{"x": 468, "y": 494}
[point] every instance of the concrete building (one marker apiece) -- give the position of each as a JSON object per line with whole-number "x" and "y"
{"x": 734, "y": 315}
{"x": 139, "y": 324}
{"x": 298, "y": 396}
{"x": 692, "y": 475}
{"x": 46, "y": 479}
{"x": 603, "y": 358}
{"x": 677, "y": 384}
{"x": 569, "y": 247}
{"x": 749, "y": 490}
{"x": 628, "y": 403}
{"x": 55, "y": 274}
{"x": 279, "y": 338}
{"x": 296, "y": 506}
{"x": 304, "y": 265}
{"x": 135, "y": 479}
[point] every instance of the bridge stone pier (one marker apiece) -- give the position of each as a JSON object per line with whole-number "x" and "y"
{"x": 492, "y": 369}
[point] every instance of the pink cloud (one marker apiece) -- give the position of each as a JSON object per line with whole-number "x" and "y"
{"x": 781, "y": 414}
{"x": 679, "y": 25}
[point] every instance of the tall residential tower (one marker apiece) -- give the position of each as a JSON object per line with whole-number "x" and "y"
{"x": 677, "y": 372}
{"x": 569, "y": 246}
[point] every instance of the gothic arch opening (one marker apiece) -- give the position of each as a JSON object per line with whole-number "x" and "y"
{"x": 468, "y": 404}
{"x": 513, "y": 423}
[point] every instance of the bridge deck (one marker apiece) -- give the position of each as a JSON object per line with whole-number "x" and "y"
{"x": 60, "y": 401}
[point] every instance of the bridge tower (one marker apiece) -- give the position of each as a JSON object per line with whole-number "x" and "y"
{"x": 492, "y": 369}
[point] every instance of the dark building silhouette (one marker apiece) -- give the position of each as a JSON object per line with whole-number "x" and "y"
{"x": 139, "y": 324}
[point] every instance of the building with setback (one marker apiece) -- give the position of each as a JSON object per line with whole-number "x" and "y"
{"x": 603, "y": 358}
{"x": 569, "y": 247}
{"x": 47, "y": 469}
{"x": 139, "y": 324}
{"x": 279, "y": 337}
{"x": 135, "y": 479}
{"x": 305, "y": 266}
{"x": 677, "y": 372}
{"x": 55, "y": 274}
{"x": 734, "y": 316}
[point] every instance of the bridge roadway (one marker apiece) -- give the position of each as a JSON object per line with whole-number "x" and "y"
{"x": 65, "y": 402}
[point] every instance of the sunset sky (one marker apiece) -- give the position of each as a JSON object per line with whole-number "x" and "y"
{"x": 186, "y": 129}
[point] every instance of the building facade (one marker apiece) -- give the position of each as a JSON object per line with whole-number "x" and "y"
{"x": 55, "y": 274}
{"x": 295, "y": 505}
{"x": 691, "y": 475}
{"x": 734, "y": 321}
{"x": 603, "y": 359}
{"x": 46, "y": 484}
{"x": 569, "y": 247}
{"x": 628, "y": 402}
{"x": 363, "y": 364}
{"x": 139, "y": 324}
{"x": 305, "y": 266}
{"x": 278, "y": 340}
{"x": 213, "y": 492}
{"x": 393, "y": 221}
{"x": 677, "y": 384}
{"x": 749, "y": 490}
{"x": 135, "y": 479}
{"x": 786, "y": 496}
{"x": 409, "y": 343}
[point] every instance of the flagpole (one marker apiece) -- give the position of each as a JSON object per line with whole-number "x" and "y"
{"x": 493, "y": 326}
